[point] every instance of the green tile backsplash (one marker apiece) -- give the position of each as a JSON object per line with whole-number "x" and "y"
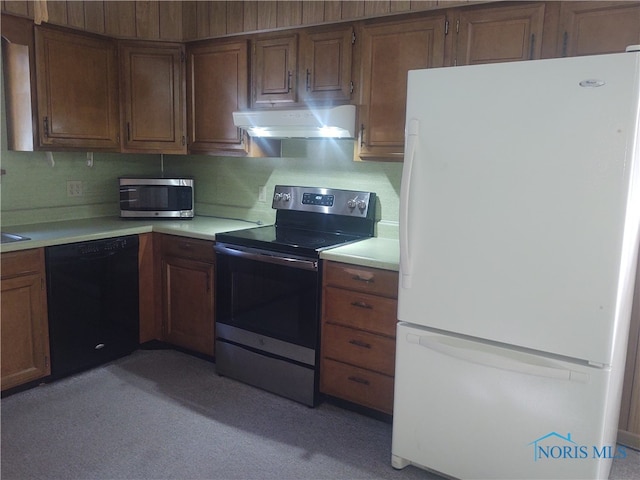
{"x": 228, "y": 187}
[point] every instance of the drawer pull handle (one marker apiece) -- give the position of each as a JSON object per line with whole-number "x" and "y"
{"x": 359, "y": 278}
{"x": 359, "y": 380}
{"x": 362, "y": 305}
{"x": 360, "y": 343}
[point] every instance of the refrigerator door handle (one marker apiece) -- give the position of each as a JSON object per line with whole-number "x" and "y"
{"x": 409, "y": 157}
{"x": 458, "y": 348}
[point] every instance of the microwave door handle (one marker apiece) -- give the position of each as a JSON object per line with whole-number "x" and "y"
{"x": 267, "y": 258}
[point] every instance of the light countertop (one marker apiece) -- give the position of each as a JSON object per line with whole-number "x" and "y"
{"x": 70, "y": 231}
{"x": 374, "y": 252}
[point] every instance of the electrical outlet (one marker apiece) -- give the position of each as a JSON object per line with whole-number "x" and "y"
{"x": 74, "y": 188}
{"x": 262, "y": 194}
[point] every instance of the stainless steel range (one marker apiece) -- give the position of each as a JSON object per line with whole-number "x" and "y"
{"x": 268, "y": 287}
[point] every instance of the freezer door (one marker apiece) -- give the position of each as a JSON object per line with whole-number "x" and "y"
{"x": 470, "y": 410}
{"x": 520, "y": 202}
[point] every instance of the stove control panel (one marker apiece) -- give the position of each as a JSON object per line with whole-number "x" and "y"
{"x": 324, "y": 200}
{"x": 317, "y": 199}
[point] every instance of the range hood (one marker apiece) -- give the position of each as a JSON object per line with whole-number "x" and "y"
{"x": 321, "y": 122}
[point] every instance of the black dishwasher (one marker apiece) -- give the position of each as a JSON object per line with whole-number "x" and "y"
{"x": 92, "y": 295}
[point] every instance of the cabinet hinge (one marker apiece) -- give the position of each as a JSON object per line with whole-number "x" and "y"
{"x": 353, "y": 37}
{"x": 446, "y": 27}
{"x": 351, "y": 87}
{"x": 184, "y": 140}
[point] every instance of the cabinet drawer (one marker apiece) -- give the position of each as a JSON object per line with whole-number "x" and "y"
{"x": 184, "y": 247}
{"x": 359, "y": 348}
{"x": 22, "y": 262}
{"x": 362, "y": 279}
{"x": 373, "y": 390}
{"x": 359, "y": 310}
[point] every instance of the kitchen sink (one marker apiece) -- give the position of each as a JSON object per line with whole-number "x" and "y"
{"x": 12, "y": 237}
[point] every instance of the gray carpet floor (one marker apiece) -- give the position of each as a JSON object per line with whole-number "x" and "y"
{"x": 166, "y": 415}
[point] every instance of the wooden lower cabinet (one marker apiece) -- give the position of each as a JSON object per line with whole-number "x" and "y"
{"x": 358, "y": 335}
{"x": 23, "y": 318}
{"x": 188, "y": 293}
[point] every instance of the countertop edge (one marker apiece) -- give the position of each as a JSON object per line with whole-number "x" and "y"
{"x": 373, "y": 252}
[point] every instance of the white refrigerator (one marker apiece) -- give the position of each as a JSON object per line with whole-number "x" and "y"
{"x": 519, "y": 219}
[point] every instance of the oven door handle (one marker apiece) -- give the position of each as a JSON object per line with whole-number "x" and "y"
{"x": 268, "y": 257}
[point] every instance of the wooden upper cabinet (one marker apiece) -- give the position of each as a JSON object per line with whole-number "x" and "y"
{"x": 589, "y": 28}
{"x": 274, "y": 71}
{"x": 217, "y": 85}
{"x": 153, "y": 97}
{"x": 325, "y": 73}
{"x": 499, "y": 34}
{"x": 77, "y": 87}
{"x": 389, "y": 51}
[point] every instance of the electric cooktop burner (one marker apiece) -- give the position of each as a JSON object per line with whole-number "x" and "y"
{"x": 309, "y": 220}
{"x": 285, "y": 239}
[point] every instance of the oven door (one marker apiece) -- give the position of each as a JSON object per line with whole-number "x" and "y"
{"x": 268, "y": 293}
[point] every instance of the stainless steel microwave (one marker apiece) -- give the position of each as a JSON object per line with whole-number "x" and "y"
{"x": 156, "y": 197}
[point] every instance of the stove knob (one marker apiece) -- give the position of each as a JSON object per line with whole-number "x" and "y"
{"x": 351, "y": 203}
{"x": 286, "y": 197}
{"x": 362, "y": 204}
{"x": 277, "y": 197}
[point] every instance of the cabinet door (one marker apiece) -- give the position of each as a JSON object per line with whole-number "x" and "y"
{"x": 153, "y": 93}
{"x": 388, "y": 52}
{"x": 274, "y": 71}
{"x": 188, "y": 303}
{"x": 23, "y": 318}
{"x": 589, "y": 28}
{"x": 217, "y": 85}
{"x": 492, "y": 35}
{"x": 77, "y": 85}
{"x": 325, "y": 74}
